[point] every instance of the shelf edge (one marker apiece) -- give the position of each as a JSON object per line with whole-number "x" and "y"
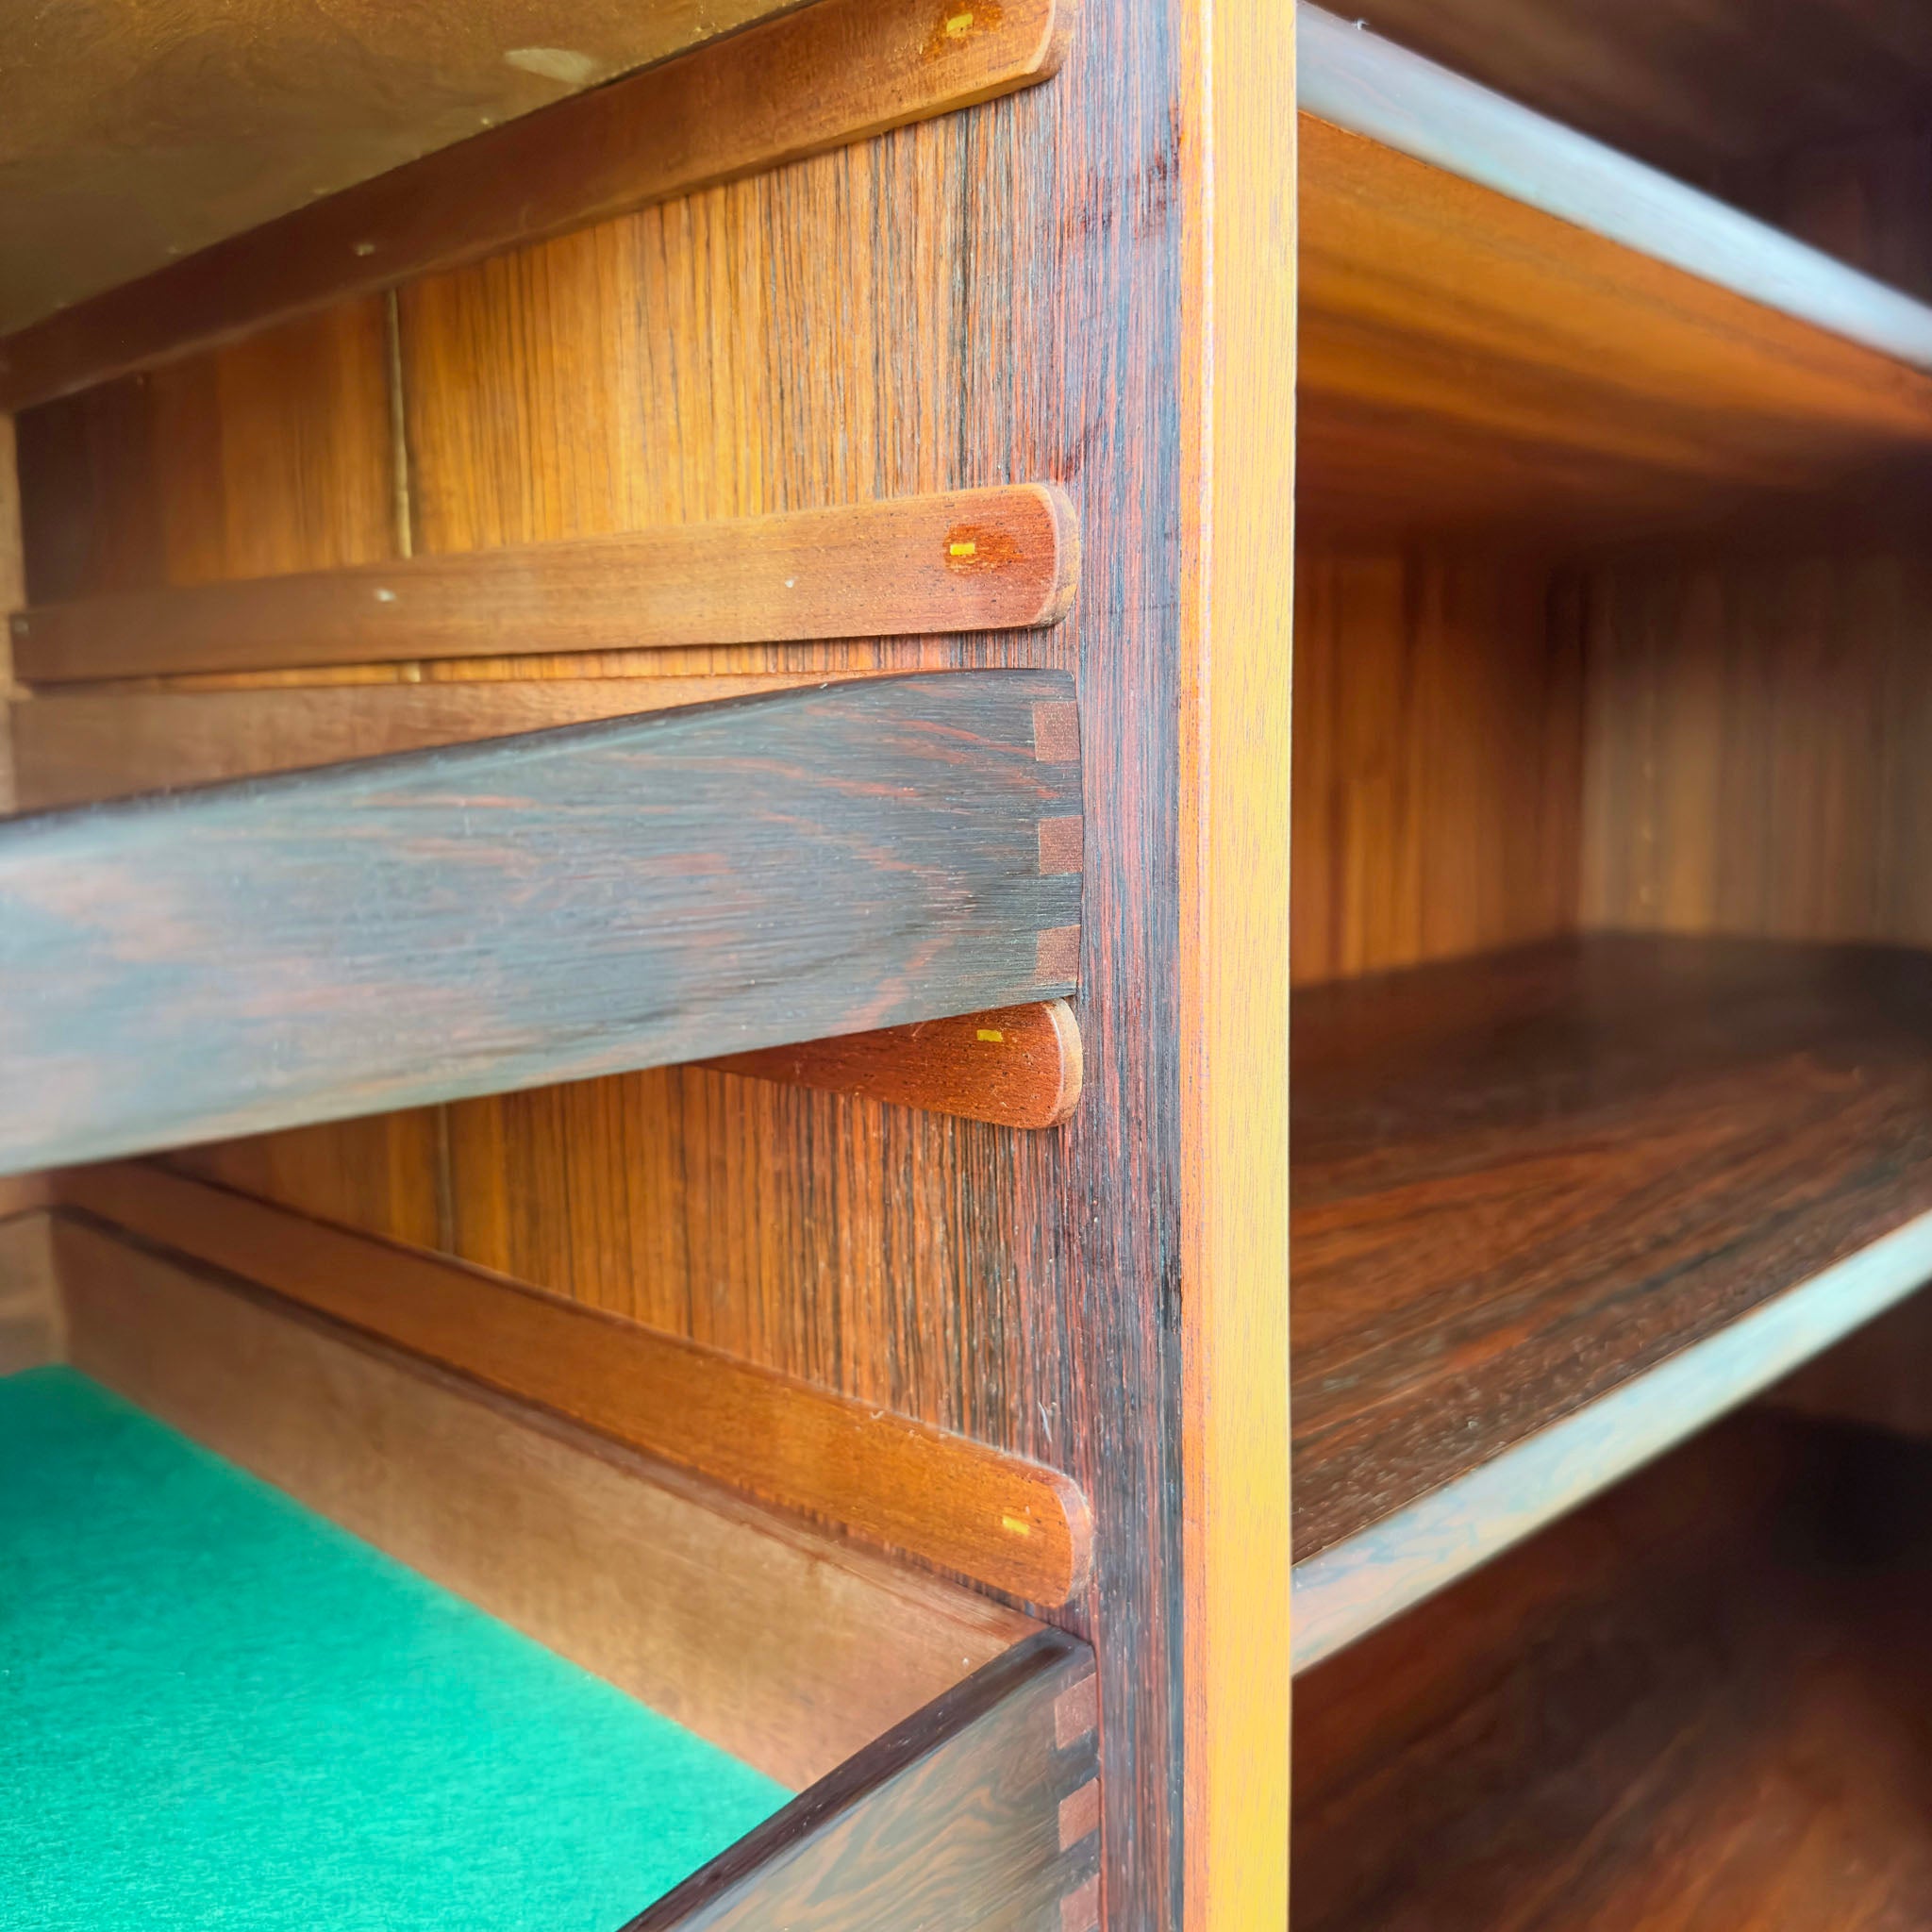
{"x": 1374, "y": 88}
{"x": 1365, "y": 1581}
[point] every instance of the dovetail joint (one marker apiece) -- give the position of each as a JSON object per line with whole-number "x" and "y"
{"x": 1057, "y": 956}
{"x": 1080, "y": 1907}
{"x": 1080, "y": 1814}
{"x": 1061, "y": 845}
{"x": 1057, "y": 731}
{"x": 1076, "y": 1711}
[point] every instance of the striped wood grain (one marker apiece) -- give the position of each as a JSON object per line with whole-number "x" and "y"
{"x": 1233, "y": 830}
{"x": 1343, "y": 1593}
{"x": 1556, "y": 1207}
{"x": 1438, "y": 756}
{"x": 1372, "y": 86}
{"x": 1469, "y": 361}
{"x": 551, "y": 907}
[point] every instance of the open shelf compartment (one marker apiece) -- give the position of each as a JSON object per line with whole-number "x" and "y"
{"x": 1700, "y": 1702}
{"x": 1555, "y": 1208}
{"x": 1504, "y": 321}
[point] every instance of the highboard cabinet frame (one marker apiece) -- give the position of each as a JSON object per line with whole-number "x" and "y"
{"x": 661, "y": 815}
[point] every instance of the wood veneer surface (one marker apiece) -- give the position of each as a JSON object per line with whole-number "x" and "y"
{"x": 1701, "y": 1703}
{"x": 556, "y": 905}
{"x": 1375, "y": 87}
{"x": 996, "y": 295}
{"x": 1466, "y": 359}
{"x": 1755, "y": 760}
{"x": 1240, "y": 261}
{"x": 1437, "y": 757}
{"x": 272, "y": 454}
{"x": 1521, "y": 1180}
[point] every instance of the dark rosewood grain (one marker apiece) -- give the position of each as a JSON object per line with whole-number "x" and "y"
{"x": 949, "y": 1822}
{"x": 491, "y": 916}
{"x": 1522, "y": 1180}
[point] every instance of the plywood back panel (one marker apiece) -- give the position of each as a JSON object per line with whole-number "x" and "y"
{"x": 1436, "y": 759}
{"x": 276, "y": 453}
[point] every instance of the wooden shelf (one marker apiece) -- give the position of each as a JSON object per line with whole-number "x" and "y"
{"x": 1555, "y": 1208}
{"x": 1701, "y": 1703}
{"x": 640, "y": 891}
{"x": 1504, "y": 319}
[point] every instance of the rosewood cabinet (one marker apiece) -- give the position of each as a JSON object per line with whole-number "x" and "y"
{"x": 1014, "y": 914}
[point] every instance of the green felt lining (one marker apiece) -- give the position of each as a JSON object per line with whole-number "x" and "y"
{"x": 219, "y": 1710}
